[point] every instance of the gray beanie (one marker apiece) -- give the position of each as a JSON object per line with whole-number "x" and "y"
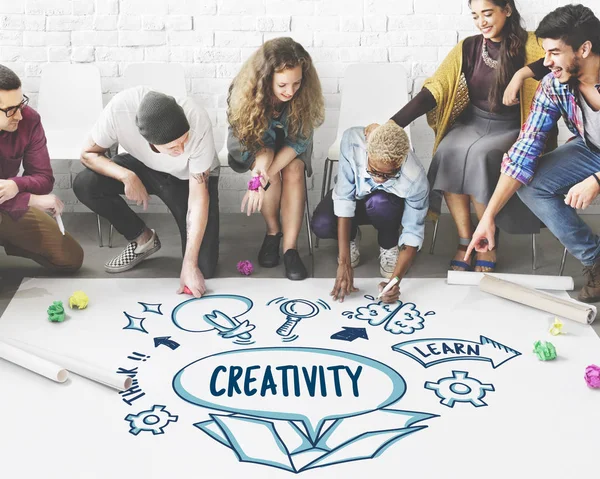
{"x": 160, "y": 119}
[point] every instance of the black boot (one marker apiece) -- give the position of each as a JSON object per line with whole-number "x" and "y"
{"x": 268, "y": 256}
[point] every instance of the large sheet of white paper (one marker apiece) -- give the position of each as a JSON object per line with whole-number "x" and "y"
{"x": 272, "y": 379}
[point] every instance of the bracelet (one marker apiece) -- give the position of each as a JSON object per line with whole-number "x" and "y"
{"x": 596, "y": 178}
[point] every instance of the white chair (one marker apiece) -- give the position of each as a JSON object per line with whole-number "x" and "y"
{"x": 70, "y": 102}
{"x": 371, "y": 93}
{"x": 167, "y": 78}
{"x": 223, "y": 160}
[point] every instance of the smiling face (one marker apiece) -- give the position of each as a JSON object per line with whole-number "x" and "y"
{"x": 286, "y": 83}
{"x": 175, "y": 148}
{"x": 489, "y": 18}
{"x": 10, "y": 99}
{"x": 562, "y": 59}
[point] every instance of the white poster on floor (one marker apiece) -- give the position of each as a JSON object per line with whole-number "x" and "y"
{"x": 268, "y": 378}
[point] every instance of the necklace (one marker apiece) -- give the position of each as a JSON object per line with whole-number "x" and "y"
{"x": 486, "y": 57}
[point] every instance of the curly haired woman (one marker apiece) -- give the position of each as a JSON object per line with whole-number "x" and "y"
{"x": 274, "y": 105}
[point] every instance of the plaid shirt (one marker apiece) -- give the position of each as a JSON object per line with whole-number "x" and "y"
{"x": 552, "y": 100}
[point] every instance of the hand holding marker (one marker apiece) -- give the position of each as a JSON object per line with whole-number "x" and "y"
{"x": 388, "y": 287}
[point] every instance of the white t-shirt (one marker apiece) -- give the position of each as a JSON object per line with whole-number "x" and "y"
{"x": 117, "y": 125}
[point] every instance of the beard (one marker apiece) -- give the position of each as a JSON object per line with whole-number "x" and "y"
{"x": 574, "y": 68}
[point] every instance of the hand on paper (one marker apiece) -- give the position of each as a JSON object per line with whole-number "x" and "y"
{"x": 8, "y": 190}
{"x": 582, "y": 194}
{"x": 49, "y": 203}
{"x": 369, "y": 129}
{"x": 344, "y": 282}
{"x": 136, "y": 191}
{"x": 392, "y": 295}
{"x": 483, "y": 238}
{"x": 192, "y": 277}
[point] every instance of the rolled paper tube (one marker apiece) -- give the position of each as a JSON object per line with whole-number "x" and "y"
{"x": 555, "y": 283}
{"x": 566, "y": 308}
{"x": 34, "y": 363}
{"x": 78, "y": 366}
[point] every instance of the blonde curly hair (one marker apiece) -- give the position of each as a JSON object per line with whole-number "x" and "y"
{"x": 250, "y": 98}
{"x": 389, "y": 144}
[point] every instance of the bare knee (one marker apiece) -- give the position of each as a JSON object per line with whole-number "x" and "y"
{"x": 294, "y": 172}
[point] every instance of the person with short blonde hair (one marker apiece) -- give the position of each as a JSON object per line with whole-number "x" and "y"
{"x": 380, "y": 182}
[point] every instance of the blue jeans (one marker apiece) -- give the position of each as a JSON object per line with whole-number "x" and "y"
{"x": 556, "y": 173}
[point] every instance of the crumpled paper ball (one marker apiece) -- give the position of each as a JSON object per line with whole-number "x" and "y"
{"x": 78, "y": 300}
{"x": 245, "y": 267}
{"x": 56, "y": 312}
{"x": 254, "y": 184}
{"x": 544, "y": 350}
{"x": 592, "y": 376}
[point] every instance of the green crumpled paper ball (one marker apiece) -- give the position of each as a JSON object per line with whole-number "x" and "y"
{"x": 544, "y": 350}
{"x": 56, "y": 312}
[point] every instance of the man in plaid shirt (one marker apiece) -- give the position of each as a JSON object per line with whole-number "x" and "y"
{"x": 554, "y": 185}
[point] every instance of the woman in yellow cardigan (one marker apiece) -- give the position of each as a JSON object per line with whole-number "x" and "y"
{"x": 463, "y": 102}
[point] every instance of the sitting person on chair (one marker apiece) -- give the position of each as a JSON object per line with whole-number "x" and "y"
{"x": 554, "y": 185}
{"x": 274, "y": 105}
{"x": 380, "y": 182}
{"x": 26, "y": 229}
{"x": 171, "y": 154}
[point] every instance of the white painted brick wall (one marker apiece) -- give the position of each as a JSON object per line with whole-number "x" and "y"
{"x": 211, "y": 38}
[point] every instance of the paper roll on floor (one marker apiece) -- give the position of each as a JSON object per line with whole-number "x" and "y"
{"x": 566, "y": 308}
{"x": 32, "y": 362}
{"x": 77, "y": 366}
{"x": 554, "y": 283}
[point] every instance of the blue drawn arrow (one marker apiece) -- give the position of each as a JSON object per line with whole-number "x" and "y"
{"x": 167, "y": 341}
{"x": 431, "y": 351}
{"x": 350, "y": 334}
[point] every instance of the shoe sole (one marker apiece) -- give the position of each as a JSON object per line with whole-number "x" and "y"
{"x": 133, "y": 264}
{"x": 269, "y": 265}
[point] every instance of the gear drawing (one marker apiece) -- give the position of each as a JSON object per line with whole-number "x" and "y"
{"x": 155, "y": 420}
{"x": 460, "y": 388}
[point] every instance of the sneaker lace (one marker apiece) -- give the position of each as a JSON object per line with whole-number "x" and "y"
{"x": 388, "y": 257}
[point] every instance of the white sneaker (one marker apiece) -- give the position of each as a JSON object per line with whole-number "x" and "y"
{"x": 387, "y": 261}
{"x": 354, "y": 250}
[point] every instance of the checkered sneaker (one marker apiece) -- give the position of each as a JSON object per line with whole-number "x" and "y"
{"x": 132, "y": 255}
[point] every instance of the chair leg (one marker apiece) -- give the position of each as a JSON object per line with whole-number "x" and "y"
{"x": 326, "y": 167}
{"x": 533, "y": 253}
{"x": 110, "y": 235}
{"x": 562, "y": 263}
{"x": 308, "y": 227}
{"x": 99, "y": 231}
{"x": 435, "y": 231}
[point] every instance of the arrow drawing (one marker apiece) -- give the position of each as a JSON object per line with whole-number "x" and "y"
{"x": 350, "y": 334}
{"x": 431, "y": 351}
{"x": 166, "y": 341}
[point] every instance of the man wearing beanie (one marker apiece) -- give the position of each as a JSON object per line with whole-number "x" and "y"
{"x": 169, "y": 152}
{"x": 380, "y": 182}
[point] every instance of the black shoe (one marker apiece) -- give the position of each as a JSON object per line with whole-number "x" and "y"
{"x": 294, "y": 267}
{"x": 268, "y": 256}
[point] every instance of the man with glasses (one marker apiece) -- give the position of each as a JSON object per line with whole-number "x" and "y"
{"x": 380, "y": 182}
{"x": 26, "y": 229}
{"x": 169, "y": 152}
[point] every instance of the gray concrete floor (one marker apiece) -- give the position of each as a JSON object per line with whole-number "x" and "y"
{"x": 241, "y": 237}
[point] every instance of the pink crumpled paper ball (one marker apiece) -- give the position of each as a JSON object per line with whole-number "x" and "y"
{"x": 592, "y": 376}
{"x": 245, "y": 267}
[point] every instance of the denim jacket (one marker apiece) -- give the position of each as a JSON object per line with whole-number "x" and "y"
{"x": 354, "y": 183}
{"x": 243, "y": 158}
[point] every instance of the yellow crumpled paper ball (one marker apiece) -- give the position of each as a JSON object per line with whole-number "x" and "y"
{"x": 78, "y": 300}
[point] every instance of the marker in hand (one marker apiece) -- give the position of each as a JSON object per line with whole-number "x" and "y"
{"x": 61, "y": 225}
{"x": 388, "y": 286}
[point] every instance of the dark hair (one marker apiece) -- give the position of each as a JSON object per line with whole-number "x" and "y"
{"x": 512, "y": 52}
{"x": 8, "y": 79}
{"x": 573, "y": 24}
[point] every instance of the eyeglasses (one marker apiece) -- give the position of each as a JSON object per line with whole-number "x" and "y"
{"x": 12, "y": 111}
{"x": 384, "y": 176}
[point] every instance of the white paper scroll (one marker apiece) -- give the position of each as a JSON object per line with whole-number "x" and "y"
{"x": 566, "y": 308}
{"x": 555, "y": 283}
{"x": 34, "y": 363}
{"x": 77, "y": 366}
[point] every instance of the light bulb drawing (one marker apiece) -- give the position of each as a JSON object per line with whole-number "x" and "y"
{"x": 295, "y": 310}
